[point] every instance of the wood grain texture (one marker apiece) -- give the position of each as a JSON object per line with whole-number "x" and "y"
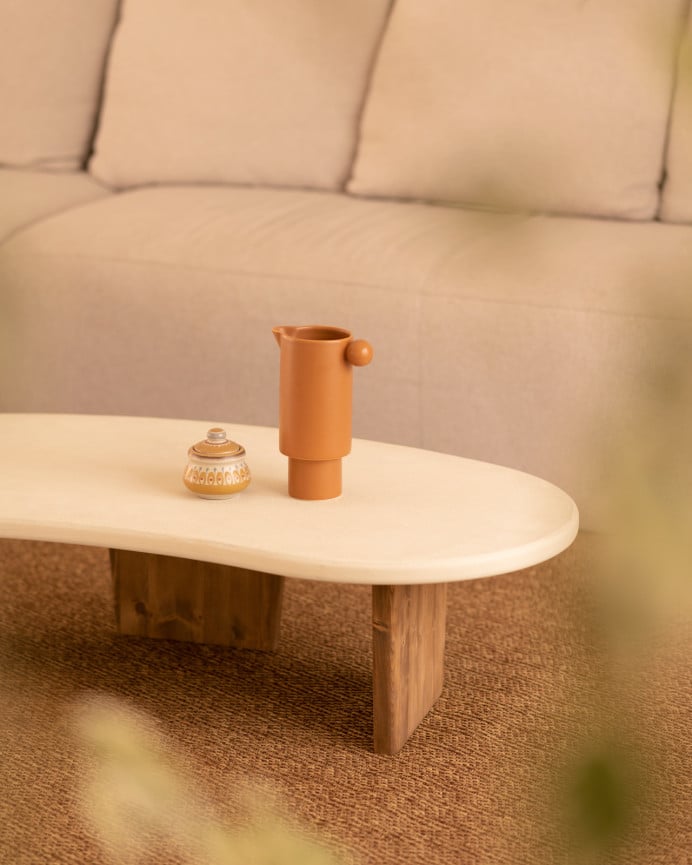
{"x": 180, "y": 599}
{"x": 408, "y": 637}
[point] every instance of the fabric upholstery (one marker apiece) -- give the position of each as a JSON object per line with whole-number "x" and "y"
{"x": 496, "y": 337}
{"x": 231, "y": 91}
{"x": 540, "y": 105}
{"x": 677, "y": 192}
{"x": 27, "y": 196}
{"x": 52, "y": 55}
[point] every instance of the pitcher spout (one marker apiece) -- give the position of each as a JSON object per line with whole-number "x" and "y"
{"x": 283, "y": 330}
{"x": 311, "y": 333}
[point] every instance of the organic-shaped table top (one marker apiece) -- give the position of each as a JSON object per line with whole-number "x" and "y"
{"x": 406, "y": 516}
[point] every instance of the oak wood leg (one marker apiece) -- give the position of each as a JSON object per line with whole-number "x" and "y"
{"x": 200, "y": 602}
{"x": 408, "y": 637}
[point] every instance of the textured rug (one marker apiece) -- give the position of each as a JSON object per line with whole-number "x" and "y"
{"x": 541, "y": 749}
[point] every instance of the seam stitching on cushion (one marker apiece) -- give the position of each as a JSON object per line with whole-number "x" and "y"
{"x": 44, "y": 217}
{"x": 369, "y": 75}
{"x": 207, "y": 269}
{"x": 663, "y": 172}
{"x": 100, "y": 101}
{"x": 420, "y": 294}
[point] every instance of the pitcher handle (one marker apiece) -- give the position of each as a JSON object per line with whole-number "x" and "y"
{"x": 359, "y": 352}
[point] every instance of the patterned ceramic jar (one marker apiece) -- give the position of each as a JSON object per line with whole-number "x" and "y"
{"x": 216, "y": 467}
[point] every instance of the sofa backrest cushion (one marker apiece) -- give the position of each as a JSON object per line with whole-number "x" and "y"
{"x": 548, "y": 105}
{"x": 237, "y": 91}
{"x": 677, "y": 192}
{"x": 52, "y": 55}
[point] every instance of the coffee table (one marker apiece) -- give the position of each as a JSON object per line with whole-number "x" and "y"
{"x": 409, "y": 522}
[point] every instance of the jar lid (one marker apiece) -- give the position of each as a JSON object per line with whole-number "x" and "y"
{"x": 217, "y": 444}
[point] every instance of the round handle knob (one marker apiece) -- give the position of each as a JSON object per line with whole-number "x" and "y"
{"x": 216, "y": 435}
{"x": 359, "y": 352}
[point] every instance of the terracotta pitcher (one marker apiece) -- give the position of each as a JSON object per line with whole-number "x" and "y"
{"x": 315, "y": 391}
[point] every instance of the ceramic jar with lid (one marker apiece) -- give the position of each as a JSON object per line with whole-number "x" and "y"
{"x": 216, "y": 467}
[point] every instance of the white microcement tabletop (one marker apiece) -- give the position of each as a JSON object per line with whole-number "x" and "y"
{"x": 406, "y": 516}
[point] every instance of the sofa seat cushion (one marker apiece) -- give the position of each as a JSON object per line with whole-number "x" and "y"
{"x": 559, "y": 107}
{"x": 28, "y": 196}
{"x": 237, "y": 92}
{"x": 497, "y": 337}
{"x": 52, "y": 57}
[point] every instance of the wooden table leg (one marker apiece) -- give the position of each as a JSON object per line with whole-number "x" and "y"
{"x": 408, "y": 636}
{"x": 181, "y": 599}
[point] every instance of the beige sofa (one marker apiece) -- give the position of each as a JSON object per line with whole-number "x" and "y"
{"x": 498, "y": 195}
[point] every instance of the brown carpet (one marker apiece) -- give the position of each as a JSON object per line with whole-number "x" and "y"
{"x": 529, "y": 702}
